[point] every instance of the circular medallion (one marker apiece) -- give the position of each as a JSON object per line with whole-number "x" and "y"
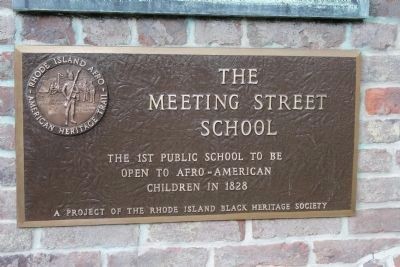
{"x": 67, "y": 95}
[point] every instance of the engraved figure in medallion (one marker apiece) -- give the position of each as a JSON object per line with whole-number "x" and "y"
{"x": 85, "y": 91}
{"x": 91, "y": 90}
{"x": 55, "y": 85}
{"x": 70, "y": 92}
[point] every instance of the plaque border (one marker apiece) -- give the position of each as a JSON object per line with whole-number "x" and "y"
{"x": 19, "y": 146}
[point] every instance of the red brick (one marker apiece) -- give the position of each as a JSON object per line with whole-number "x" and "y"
{"x": 218, "y": 32}
{"x": 6, "y": 3}
{"x": 77, "y": 259}
{"x": 379, "y": 190}
{"x": 396, "y": 261}
{"x": 90, "y": 236}
{"x": 398, "y": 157}
{"x": 385, "y": 8}
{"x": 375, "y": 221}
{"x": 6, "y": 101}
{"x": 6, "y": 66}
{"x": 7, "y": 171}
{"x": 374, "y": 160}
{"x": 381, "y": 68}
{"x": 295, "y": 227}
{"x": 7, "y": 136}
{"x": 296, "y": 34}
{"x": 375, "y": 36}
{"x": 106, "y": 32}
{"x": 177, "y": 257}
{"x": 350, "y": 251}
{"x": 378, "y": 131}
{"x": 47, "y": 30}
{"x": 14, "y": 239}
{"x": 195, "y": 232}
{"x": 124, "y": 258}
{"x": 293, "y": 254}
{"x": 379, "y": 101}
{"x": 7, "y": 26}
{"x": 7, "y": 205}
{"x": 158, "y": 32}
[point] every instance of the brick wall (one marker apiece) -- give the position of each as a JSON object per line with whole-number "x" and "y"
{"x": 372, "y": 238}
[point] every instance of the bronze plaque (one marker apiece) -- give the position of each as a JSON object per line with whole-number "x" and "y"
{"x": 138, "y": 135}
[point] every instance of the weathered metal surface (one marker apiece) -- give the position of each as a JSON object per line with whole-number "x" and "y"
{"x": 337, "y": 9}
{"x": 187, "y": 134}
